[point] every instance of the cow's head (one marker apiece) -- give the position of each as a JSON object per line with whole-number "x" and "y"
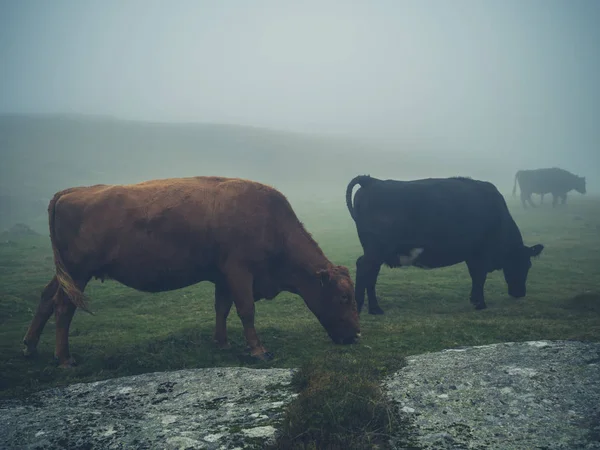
{"x": 580, "y": 185}
{"x": 516, "y": 268}
{"x": 337, "y": 308}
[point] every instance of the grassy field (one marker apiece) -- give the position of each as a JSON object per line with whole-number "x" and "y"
{"x": 133, "y": 332}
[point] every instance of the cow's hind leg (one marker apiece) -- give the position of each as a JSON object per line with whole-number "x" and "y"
{"x": 359, "y": 287}
{"x": 374, "y": 307}
{"x": 367, "y": 271}
{"x": 478, "y": 277}
{"x": 42, "y": 314}
{"x": 239, "y": 281}
{"x": 64, "y": 310}
{"x": 223, "y": 302}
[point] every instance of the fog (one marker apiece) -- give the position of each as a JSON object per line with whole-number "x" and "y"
{"x": 498, "y": 85}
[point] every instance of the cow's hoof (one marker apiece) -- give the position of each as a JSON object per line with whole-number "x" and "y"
{"x": 29, "y": 350}
{"x": 479, "y": 306}
{"x": 376, "y": 311}
{"x": 67, "y": 364}
{"x": 266, "y": 356}
{"x": 223, "y": 345}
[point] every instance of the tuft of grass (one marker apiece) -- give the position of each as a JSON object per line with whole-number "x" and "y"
{"x": 341, "y": 405}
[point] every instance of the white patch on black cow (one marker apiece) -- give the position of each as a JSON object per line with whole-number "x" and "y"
{"x": 409, "y": 260}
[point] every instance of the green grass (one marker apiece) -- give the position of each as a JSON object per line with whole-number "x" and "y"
{"x": 426, "y": 311}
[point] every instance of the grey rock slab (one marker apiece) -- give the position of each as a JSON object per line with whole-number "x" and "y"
{"x": 214, "y": 408}
{"x": 519, "y": 395}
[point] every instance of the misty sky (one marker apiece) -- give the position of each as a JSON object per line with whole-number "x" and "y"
{"x": 510, "y": 76}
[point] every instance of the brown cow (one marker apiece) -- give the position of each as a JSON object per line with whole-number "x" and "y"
{"x": 166, "y": 234}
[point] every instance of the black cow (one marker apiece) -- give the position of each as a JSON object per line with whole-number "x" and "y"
{"x": 543, "y": 181}
{"x": 436, "y": 222}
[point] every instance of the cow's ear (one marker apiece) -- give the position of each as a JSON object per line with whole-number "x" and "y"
{"x": 536, "y": 250}
{"x": 343, "y": 270}
{"x": 324, "y": 276}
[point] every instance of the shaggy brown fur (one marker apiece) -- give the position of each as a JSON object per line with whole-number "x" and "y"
{"x": 166, "y": 234}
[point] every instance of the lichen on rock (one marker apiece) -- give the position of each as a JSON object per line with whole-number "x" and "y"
{"x": 539, "y": 394}
{"x": 214, "y": 408}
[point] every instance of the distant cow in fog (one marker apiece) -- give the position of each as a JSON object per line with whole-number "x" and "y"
{"x": 544, "y": 181}
{"x": 162, "y": 235}
{"x": 432, "y": 223}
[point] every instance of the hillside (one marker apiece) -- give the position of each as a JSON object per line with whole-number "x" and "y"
{"x": 43, "y": 154}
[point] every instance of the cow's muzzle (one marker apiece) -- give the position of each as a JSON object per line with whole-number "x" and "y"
{"x": 347, "y": 340}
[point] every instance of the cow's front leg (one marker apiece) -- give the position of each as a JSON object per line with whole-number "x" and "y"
{"x": 478, "y": 276}
{"x": 239, "y": 280}
{"x": 223, "y": 302}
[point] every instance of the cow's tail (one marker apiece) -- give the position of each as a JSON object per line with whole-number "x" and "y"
{"x": 362, "y": 180}
{"x": 65, "y": 281}
{"x": 514, "y": 192}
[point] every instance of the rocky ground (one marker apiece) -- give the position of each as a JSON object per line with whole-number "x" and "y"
{"x": 529, "y": 395}
{"x": 188, "y": 409}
